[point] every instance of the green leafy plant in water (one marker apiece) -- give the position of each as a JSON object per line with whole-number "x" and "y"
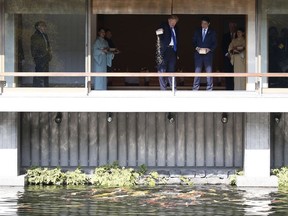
{"x": 151, "y": 179}
{"x": 142, "y": 169}
{"x": 186, "y": 181}
{"x": 76, "y": 177}
{"x": 233, "y": 178}
{"x": 55, "y": 177}
{"x": 282, "y": 175}
{"x": 154, "y": 178}
{"x": 114, "y": 176}
{"x": 34, "y": 176}
{"x": 44, "y": 176}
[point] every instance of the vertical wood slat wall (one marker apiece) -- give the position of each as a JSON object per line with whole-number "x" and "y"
{"x": 279, "y": 141}
{"x": 132, "y": 139}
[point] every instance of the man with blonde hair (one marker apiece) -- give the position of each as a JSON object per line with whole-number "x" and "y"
{"x": 168, "y": 34}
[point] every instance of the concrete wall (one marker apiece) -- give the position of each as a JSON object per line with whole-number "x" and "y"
{"x": 9, "y": 140}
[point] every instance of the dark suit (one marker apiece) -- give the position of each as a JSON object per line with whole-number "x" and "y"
{"x": 210, "y": 42}
{"x": 228, "y": 67}
{"x": 41, "y": 52}
{"x": 111, "y": 45}
{"x": 168, "y": 55}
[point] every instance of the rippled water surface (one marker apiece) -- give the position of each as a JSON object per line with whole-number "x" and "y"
{"x": 165, "y": 200}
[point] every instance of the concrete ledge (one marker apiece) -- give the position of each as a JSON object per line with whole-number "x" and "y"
{"x": 136, "y": 101}
{"x": 12, "y": 180}
{"x": 243, "y": 181}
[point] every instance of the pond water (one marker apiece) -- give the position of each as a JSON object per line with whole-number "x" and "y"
{"x": 164, "y": 200}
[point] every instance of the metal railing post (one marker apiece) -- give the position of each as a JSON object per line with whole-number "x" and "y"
{"x": 2, "y": 84}
{"x": 260, "y": 85}
{"x": 173, "y": 85}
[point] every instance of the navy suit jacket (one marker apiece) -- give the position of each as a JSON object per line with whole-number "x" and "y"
{"x": 226, "y": 40}
{"x": 210, "y": 40}
{"x": 165, "y": 38}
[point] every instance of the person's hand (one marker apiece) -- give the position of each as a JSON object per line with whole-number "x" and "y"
{"x": 159, "y": 31}
{"x": 236, "y": 51}
{"x": 116, "y": 51}
{"x": 105, "y": 50}
{"x": 240, "y": 48}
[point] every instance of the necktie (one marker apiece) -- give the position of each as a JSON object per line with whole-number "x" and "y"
{"x": 203, "y": 34}
{"x": 174, "y": 40}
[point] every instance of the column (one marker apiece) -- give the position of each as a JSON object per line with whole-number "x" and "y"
{"x": 257, "y": 152}
{"x": 9, "y": 150}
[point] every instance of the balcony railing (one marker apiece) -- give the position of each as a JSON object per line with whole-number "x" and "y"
{"x": 88, "y": 76}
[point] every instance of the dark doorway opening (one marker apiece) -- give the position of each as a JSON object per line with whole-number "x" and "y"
{"x": 134, "y": 36}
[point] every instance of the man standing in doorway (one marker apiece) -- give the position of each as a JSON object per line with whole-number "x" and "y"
{"x": 205, "y": 43}
{"x": 41, "y": 52}
{"x": 168, "y": 34}
{"x": 113, "y": 49}
{"x": 228, "y": 67}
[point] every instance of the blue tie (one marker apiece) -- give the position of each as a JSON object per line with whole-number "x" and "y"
{"x": 174, "y": 40}
{"x": 204, "y": 34}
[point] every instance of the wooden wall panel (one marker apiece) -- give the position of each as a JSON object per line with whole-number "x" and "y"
{"x": 200, "y": 140}
{"x": 211, "y": 6}
{"x": 171, "y": 143}
{"x": 103, "y": 139}
{"x": 122, "y": 139}
{"x": 161, "y": 139}
{"x": 64, "y": 141}
{"x": 220, "y": 139}
{"x": 112, "y": 139}
{"x": 73, "y": 139}
{"x": 88, "y": 140}
{"x": 93, "y": 139}
{"x": 238, "y": 140}
{"x": 131, "y": 6}
{"x": 35, "y": 139}
{"x": 131, "y": 139}
{"x": 26, "y": 141}
{"x": 151, "y": 139}
{"x": 180, "y": 140}
{"x": 141, "y": 139}
{"x": 229, "y": 142}
{"x": 45, "y": 7}
{"x": 190, "y": 139}
{"x": 209, "y": 140}
{"x": 83, "y": 139}
{"x": 44, "y": 141}
{"x": 279, "y": 141}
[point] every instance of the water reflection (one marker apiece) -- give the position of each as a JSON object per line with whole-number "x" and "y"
{"x": 257, "y": 201}
{"x": 172, "y": 200}
{"x": 8, "y": 199}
